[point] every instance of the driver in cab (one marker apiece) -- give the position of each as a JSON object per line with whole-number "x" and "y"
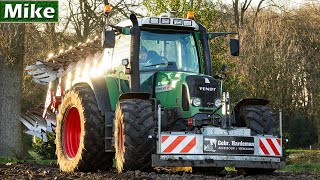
{"x": 150, "y": 58}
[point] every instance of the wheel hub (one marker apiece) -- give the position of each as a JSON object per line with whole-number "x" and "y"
{"x": 121, "y": 141}
{"x": 71, "y": 133}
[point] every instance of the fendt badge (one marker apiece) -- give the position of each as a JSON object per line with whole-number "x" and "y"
{"x": 206, "y": 80}
{"x": 207, "y": 89}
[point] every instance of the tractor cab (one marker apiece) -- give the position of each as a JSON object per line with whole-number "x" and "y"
{"x": 166, "y": 44}
{"x": 168, "y": 51}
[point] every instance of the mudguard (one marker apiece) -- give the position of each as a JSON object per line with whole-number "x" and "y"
{"x": 99, "y": 87}
{"x": 144, "y": 96}
{"x": 251, "y": 101}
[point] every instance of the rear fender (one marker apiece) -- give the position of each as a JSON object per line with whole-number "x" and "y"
{"x": 145, "y": 96}
{"x": 99, "y": 87}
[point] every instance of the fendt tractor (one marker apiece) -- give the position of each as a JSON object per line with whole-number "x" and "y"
{"x": 144, "y": 95}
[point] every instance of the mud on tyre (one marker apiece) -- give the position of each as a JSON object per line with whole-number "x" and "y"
{"x": 80, "y": 133}
{"x": 134, "y": 123}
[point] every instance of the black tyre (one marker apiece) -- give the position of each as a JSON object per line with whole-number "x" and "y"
{"x": 134, "y": 124}
{"x": 209, "y": 170}
{"x": 80, "y": 133}
{"x": 260, "y": 119}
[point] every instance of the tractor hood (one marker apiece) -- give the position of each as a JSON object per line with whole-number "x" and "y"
{"x": 179, "y": 90}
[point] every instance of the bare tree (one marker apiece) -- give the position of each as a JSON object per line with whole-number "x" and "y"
{"x": 11, "y": 68}
{"x": 239, "y": 11}
{"x": 85, "y": 17}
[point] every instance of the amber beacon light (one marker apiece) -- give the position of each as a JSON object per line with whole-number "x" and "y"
{"x": 190, "y": 15}
{"x": 107, "y": 9}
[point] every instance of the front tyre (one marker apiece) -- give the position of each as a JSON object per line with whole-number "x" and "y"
{"x": 134, "y": 125}
{"x": 80, "y": 133}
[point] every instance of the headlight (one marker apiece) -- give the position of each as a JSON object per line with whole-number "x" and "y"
{"x": 217, "y": 102}
{"x": 196, "y": 101}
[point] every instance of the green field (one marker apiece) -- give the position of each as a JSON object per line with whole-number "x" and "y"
{"x": 302, "y": 161}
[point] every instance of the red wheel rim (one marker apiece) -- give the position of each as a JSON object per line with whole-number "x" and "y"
{"x": 71, "y": 132}
{"x": 120, "y": 135}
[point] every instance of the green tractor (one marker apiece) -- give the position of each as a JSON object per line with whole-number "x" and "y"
{"x": 148, "y": 99}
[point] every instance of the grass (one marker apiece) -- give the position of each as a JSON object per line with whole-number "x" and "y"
{"x": 303, "y": 156}
{"x": 302, "y": 167}
{"x": 42, "y": 161}
{"x": 230, "y": 169}
{"x": 300, "y": 160}
{"x": 9, "y": 160}
{"x": 34, "y": 158}
{"x": 290, "y": 151}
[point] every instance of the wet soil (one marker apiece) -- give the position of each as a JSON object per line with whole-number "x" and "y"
{"x": 37, "y": 171}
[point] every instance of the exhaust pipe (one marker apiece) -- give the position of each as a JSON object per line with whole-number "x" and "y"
{"x": 134, "y": 55}
{"x": 206, "y": 50}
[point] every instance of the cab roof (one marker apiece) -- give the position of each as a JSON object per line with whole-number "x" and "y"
{"x": 159, "y": 22}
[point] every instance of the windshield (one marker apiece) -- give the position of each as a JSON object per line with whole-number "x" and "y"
{"x": 168, "y": 51}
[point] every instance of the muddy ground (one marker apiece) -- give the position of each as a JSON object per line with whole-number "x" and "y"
{"x": 37, "y": 171}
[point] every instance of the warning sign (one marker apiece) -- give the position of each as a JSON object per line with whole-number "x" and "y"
{"x": 228, "y": 145}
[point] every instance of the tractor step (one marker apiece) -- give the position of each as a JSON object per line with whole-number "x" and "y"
{"x": 108, "y": 139}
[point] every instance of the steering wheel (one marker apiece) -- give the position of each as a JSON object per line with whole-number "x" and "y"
{"x": 158, "y": 60}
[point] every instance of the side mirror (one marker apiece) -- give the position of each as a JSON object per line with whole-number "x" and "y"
{"x": 108, "y": 39}
{"x": 223, "y": 74}
{"x": 234, "y": 47}
{"x": 125, "y": 62}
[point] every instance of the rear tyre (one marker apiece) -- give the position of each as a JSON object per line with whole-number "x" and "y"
{"x": 209, "y": 170}
{"x": 80, "y": 133}
{"x": 260, "y": 119}
{"x": 134, "y": 124}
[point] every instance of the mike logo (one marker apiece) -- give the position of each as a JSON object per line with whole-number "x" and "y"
{"x": 29, "y": 11}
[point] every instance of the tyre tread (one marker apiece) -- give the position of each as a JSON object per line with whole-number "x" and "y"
{"x": 139, "y": 122}
{"x": 259, "y": 118}
{"x": 93, "y": 155}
